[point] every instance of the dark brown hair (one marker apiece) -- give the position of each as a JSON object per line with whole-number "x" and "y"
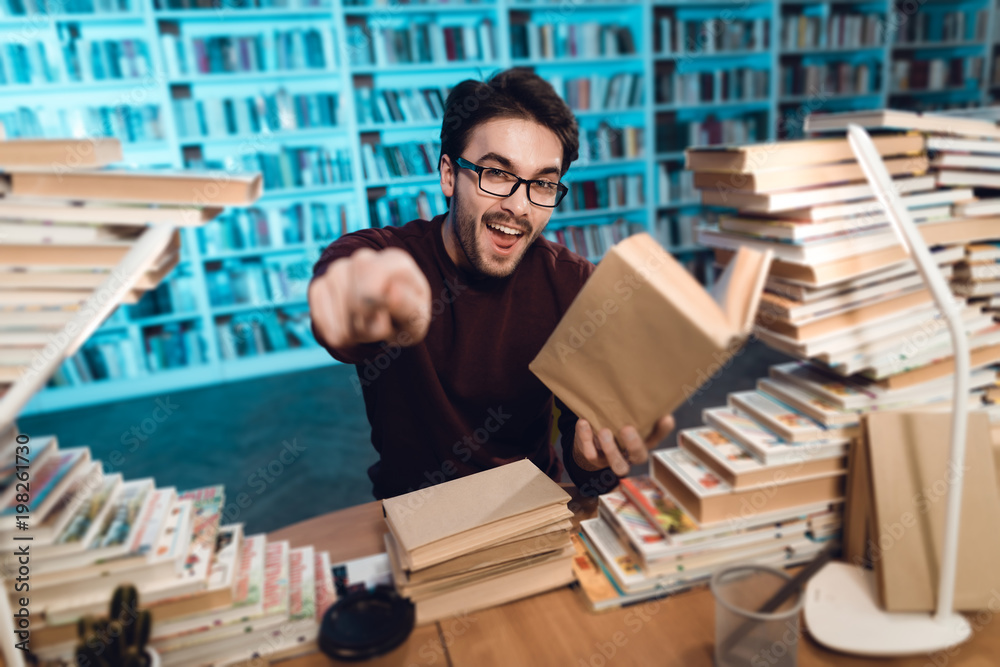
{"x": 512, "y": 93}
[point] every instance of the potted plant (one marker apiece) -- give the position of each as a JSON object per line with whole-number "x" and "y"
{"x": 121, "y": 639}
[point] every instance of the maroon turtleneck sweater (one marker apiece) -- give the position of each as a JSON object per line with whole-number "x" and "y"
{"x": 463, "y": 399}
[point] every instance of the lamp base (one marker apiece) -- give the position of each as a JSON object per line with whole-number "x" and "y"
{"x": 843, "y": 614}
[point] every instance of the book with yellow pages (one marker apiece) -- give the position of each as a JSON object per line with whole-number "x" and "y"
{"x": 640, "y": 318}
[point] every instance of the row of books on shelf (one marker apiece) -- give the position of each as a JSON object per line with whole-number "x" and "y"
{"x": 262, "y": 332}
{"x": 712, "y": 35}
{"x": 90, "y": 60}
{"x": 676, "y": 230}
{"x": 175, "y": 295}
{"x": 421, "y": 42}
{"x": 271, "y": 227}
{"x": 720, "y": 85}
{"x": 592, "y": 241}
{"x": 409, "y": 105}
{"x": 128, "y": 123}
{"x": 937, "y": 73}
{"x": 590, "y": 39}
{"x": 397, "y": 210}
{"x": 599, "y": 92}
{"x": 239, "y": 4}
{"x": 958, "y": 25}
{"x": 674, "y": 184}
{"x": 80, "y": 60}
{"x": 37, "y": 7}
{"x": 115, "y": 356}
{"x": 387, "y": 161}
{"x": 838, "y": 31}
{"x": 274, "y": 279}
{"x": 289, "y": 167}
{"x": 834, "y": 78}
{"x": 279, "y": 111}
{"x": 174, "y": 345}
{"x": 607, "y": 143}
{"x": 626, "y": 191}
{"x": 282, "y": 50}
{"x": 673, "y": 136}
{"x": 213, "y": 594}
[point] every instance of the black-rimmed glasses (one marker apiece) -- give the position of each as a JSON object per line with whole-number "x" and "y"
{"x": 500, "y": 183}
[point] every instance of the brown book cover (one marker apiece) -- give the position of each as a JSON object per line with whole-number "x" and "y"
{"x": 904, "y": 120}
{"x": 640, "y": 318}
{"x": 143, "y": 187}
{"x": 846, "y": 320}
{"x": 790, "y": 154}
{"x": 59, "y": 154}
{"x": 773, "y": 180}
{"x": 441, "y": 522}
{"x": 910, "y": 474}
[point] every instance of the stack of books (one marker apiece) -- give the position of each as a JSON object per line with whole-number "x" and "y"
{"x": 68, "y": 222}
{"x": 479, "y": 541}
{"x": 645, "y": 543}
{"x": 842, "y": 291}
{"x": 216, "y": 595}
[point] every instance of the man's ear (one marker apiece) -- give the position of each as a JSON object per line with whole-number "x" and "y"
{"x": 447, "y": 176}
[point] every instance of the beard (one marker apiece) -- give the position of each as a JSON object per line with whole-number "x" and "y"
{"x": 471, "y": 234}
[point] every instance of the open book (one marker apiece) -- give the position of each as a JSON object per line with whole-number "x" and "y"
{"x": 642, "y": 335}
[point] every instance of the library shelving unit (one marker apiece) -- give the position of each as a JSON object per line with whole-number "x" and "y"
{"x": 941, "y": 54}
{"x": 339, "y": 103}
{"x": 713, "y": 83}
{"x": 832, "y": 56}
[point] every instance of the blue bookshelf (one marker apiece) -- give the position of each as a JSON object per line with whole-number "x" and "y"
{"x": 340, "y": 104}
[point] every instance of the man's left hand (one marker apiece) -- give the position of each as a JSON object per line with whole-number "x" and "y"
{"x": 602, "y": 451}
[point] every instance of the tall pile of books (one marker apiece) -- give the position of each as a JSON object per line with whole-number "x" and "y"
{"x": 479, "y": 541}
{"x": 843, "y": 297}
{"x": 72, "y": 228}
{"x": 215, "y": 594}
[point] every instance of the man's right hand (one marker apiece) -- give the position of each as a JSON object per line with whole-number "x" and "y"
{"x": 370, "y": 297}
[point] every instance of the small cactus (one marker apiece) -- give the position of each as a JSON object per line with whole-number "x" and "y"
{"x": 120, "y": 640}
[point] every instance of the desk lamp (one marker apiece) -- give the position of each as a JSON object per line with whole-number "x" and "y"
{"x": 841, "y": 607}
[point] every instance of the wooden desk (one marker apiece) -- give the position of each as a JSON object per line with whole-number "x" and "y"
{"x": 556, "y": 628}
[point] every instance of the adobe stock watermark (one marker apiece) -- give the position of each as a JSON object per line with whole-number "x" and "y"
{"x": 624, "y": 289}
{"x": 263, "y": 478}
{"x": 463, "y": 450}
{"x": 136, "y": 436}
{"x": 978, "y": 623}
{"x": 451, "y": 630}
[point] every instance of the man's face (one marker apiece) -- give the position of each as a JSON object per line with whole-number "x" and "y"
{"x": 490, "y": 234}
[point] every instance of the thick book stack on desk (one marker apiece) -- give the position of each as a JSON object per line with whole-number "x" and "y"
{"x": 216, "y": 595}
{"x": 67, "y": 220}
{"x": 479, "y": 541}
{"x": 645, "y": 543}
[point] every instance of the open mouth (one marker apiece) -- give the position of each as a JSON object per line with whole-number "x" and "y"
{"x": 503, "y": 238}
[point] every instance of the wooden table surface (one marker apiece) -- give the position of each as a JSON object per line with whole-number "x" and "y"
{"x": 556, "y": 628}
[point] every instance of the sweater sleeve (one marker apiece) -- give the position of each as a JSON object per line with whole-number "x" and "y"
{"x": 589, "y": 482}
{"x": 339, "y": 249}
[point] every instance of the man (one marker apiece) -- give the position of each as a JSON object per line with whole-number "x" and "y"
{"x": 442, "y": 317}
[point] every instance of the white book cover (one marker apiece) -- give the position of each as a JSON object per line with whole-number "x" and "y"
{"x": 822, "y": 412}
{"x": 626, "y": 571}
{"x": 693, "y": 473}
{"x": 778, "y": 417}
{"x": 765, "y": 444}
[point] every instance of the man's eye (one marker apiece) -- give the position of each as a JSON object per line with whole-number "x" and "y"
{"x": 496, "y": 173}
{"x": 547, "y": 186}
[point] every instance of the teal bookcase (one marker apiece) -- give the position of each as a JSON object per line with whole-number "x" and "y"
{"x": 339, "y": 104}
